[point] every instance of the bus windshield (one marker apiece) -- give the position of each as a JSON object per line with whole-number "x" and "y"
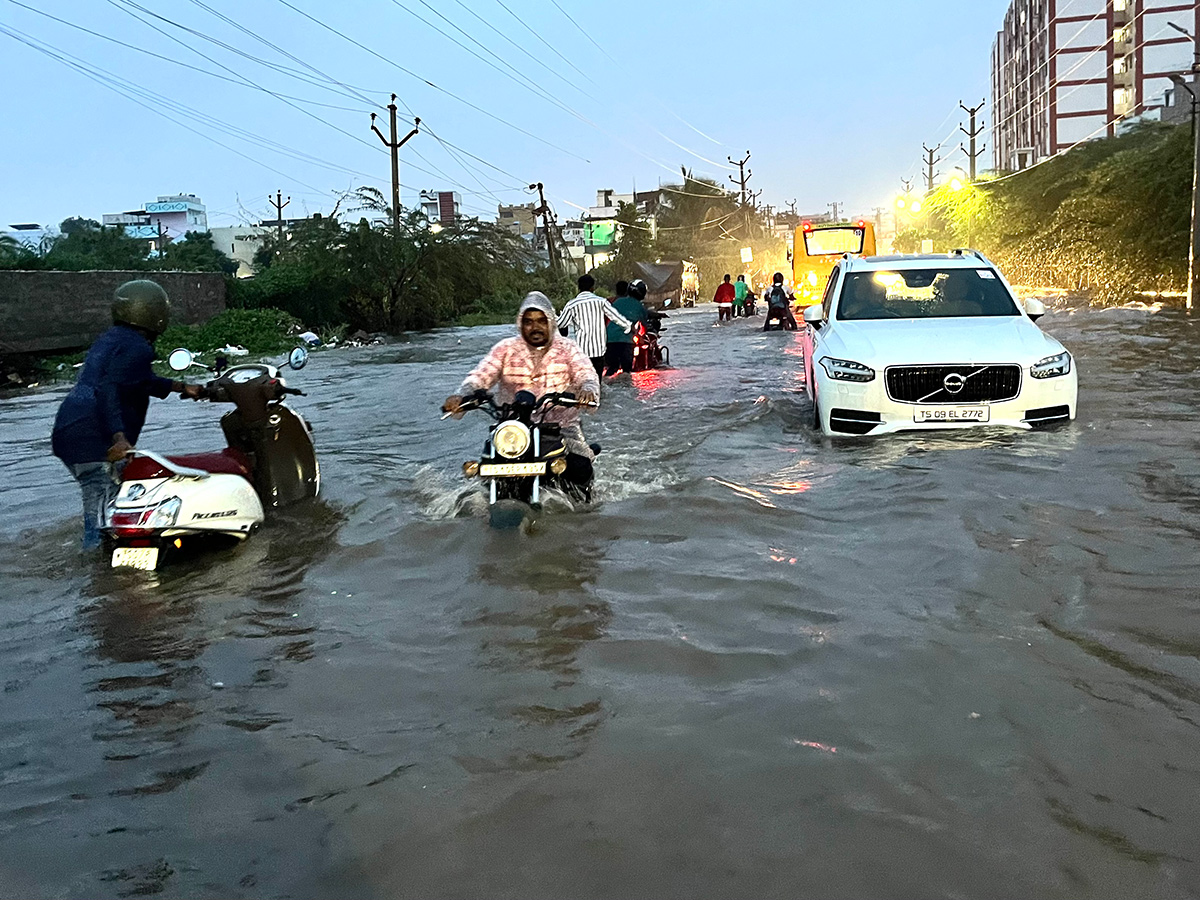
{"x": 834, "y": 241}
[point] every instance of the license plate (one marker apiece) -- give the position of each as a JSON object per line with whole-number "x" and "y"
{"x": 136, "y": 557}
{"x": 493, "y": 470}
{"x": 951, "y": 414}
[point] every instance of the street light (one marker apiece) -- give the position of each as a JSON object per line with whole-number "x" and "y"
{"x": 1193, "y": 293}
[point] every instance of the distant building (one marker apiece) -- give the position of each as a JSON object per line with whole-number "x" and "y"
{"x": 1067, "y": 71}
{"x": 442, "y": 207}
{"x": 519, "y": 218}
{"x": 33, "y": 236}
{"x": 171, "y": 216}
{"x": 240, "y": 243}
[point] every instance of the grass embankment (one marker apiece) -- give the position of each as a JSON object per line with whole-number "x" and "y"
{"x": 1110, "y": 217}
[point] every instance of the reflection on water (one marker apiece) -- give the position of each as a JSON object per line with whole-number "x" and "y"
{"x": 761, "y": 659}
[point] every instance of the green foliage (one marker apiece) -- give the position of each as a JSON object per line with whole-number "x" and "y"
{"x": 377, "y": 277}
{"x": 1111, "y": 215}
{"x": 15, "y": 255}
{"x": 85, "y": 244}
{"x": 195, "y": 253}
{"x": 263, "y": 332}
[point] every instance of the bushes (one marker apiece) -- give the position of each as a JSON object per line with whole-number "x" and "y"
{"x": 264, "y": 332}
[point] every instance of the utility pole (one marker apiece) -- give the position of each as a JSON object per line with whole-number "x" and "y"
{"x": 930, "y": 162}
{"x": 792, "y": 206}
{"x": 161, "y": 243}
{"x": 743, "y": 175}
{"x": 395, "y": 146}
{"x": 972, "y": 134}
{"x": 1193, "y": 292}
{"x": 834, "y": 206}
{"x": 279, "y": 203}
{"x": 544, "y": 211}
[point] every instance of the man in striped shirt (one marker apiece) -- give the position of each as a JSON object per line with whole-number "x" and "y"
{"x": 587, "y": 314}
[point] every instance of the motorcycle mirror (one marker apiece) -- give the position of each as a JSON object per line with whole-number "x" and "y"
{"x": 298, "y": 358}
{"x": 180, "y": 359}
{"x": 667, "y": 302}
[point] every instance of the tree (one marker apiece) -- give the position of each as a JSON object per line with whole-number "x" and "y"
{"x": 196, "y": 252}
{"x": 635, "y": 243}
{"x": 86, "y": 244}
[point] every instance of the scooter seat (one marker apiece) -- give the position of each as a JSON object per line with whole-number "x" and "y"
{"x": 224, "y": 462}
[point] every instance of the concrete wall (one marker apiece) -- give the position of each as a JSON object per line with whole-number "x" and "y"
{"x": 57, "y": 312}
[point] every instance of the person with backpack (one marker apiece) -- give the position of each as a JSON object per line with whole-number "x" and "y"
{"x": 779, "y": 305}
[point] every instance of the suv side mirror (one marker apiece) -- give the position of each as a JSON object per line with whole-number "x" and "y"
{"x": 1035, "y": 308}
{"x": 814, "y": 315}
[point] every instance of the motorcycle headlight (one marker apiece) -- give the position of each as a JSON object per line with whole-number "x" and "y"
{"x": 511, "y": 439}
{"x": 1052, "y": 366}
{"x": 846, "y": 370}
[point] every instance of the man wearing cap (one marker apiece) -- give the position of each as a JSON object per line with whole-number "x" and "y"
{"x": 540, "y": 361}
{"x": 100, "y": 419}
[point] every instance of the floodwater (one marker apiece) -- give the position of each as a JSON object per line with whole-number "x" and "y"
{"x": 765, "y": 664}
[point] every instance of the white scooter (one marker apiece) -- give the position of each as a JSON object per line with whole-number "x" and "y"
{"x": 167, "y": 501}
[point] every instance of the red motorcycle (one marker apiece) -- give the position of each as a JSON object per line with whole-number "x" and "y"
{"x": 648, "y": 353}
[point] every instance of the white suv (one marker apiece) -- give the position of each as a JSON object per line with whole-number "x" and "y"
{"x": 931, "y": 341}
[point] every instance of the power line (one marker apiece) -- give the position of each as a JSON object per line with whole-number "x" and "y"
{"x": 436, "y": 87}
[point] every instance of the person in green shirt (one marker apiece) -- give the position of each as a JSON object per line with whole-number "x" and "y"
{"x": 740, "y": 291}
{"x": 619, "y": 354}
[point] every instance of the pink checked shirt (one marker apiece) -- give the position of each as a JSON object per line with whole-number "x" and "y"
{"x": 512, "y": 365}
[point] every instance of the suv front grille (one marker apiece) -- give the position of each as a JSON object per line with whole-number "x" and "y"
{"x": 927, "y": 384}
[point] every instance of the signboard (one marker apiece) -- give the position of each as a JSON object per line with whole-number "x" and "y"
{"x": 747, "y": 255}
{"x": 173, "y": 206}
{"x": 600, "y": 233}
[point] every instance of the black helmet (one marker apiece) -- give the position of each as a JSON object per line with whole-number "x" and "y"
{"x": 637, "y": 289}
{"x": 142, "y": 304}
{"x": 778, "y": 279}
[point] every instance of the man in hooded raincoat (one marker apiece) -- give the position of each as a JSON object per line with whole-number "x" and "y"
{"x": 540, "y": 361}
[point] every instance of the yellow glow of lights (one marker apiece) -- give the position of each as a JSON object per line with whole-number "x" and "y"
{"x": 916, "y": 206}
{"x": 887, "y": 279}
{"x": 812, "y": 278}
{"x": 900, "y": 203}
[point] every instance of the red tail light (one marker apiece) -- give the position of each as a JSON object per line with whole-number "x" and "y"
{"x": 861, "y": 223}
{"x": 808, "y": 226}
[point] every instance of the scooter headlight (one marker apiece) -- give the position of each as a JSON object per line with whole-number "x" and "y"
{"x": 511, "y": 439}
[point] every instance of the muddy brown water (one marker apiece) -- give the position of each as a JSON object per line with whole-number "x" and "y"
{"x": 766, "y": 664}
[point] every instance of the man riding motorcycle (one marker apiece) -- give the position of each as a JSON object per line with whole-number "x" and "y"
{"x": 540, "y": 361}
{"x": 779, "y": 305}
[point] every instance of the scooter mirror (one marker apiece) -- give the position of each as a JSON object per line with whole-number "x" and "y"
{"x": 179, "y": 359}
{"x": 667, "y": 302}
{"x": 298, "y": 358}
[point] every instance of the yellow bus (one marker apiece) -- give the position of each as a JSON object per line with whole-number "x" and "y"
{"x": 815, "y": 249}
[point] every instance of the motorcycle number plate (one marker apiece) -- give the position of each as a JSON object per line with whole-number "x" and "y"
{"x": 494, "y": 470}
{"x": 135, "y": 558}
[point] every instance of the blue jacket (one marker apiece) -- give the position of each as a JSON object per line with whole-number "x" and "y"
{"x": 112, "y": 394}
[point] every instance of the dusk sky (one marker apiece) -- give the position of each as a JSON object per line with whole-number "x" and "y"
{"x": 833, "y": 100}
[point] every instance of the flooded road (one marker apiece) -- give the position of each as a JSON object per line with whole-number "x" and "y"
{"x": 766, "y": 665}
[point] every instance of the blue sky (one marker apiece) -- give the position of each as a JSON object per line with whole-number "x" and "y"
{"x": 832, "y": 99}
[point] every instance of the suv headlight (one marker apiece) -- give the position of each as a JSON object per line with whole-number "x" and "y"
{"x": 1052, "y": 366}
{"x": 846, "y": 370}
{"x": 511, "y": 439}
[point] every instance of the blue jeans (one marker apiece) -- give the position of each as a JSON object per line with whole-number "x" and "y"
{"x": 98, "y": 487}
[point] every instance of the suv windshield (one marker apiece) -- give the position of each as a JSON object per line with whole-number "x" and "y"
{"x": 924, "y": 294}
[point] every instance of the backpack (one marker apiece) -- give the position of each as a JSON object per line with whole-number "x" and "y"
{"x": 778, "y": 296}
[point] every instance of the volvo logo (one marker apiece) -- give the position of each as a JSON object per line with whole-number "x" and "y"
{"x": 953, "y": 383}
{"x": 136, "y": 490}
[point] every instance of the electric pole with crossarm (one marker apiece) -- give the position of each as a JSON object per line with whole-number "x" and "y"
{"x": 395, "y": 146}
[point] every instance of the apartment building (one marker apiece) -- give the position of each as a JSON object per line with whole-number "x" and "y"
{"x": 1068, "y": 71}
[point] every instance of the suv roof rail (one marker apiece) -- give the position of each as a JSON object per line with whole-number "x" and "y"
{"x": 965, "y": 251}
